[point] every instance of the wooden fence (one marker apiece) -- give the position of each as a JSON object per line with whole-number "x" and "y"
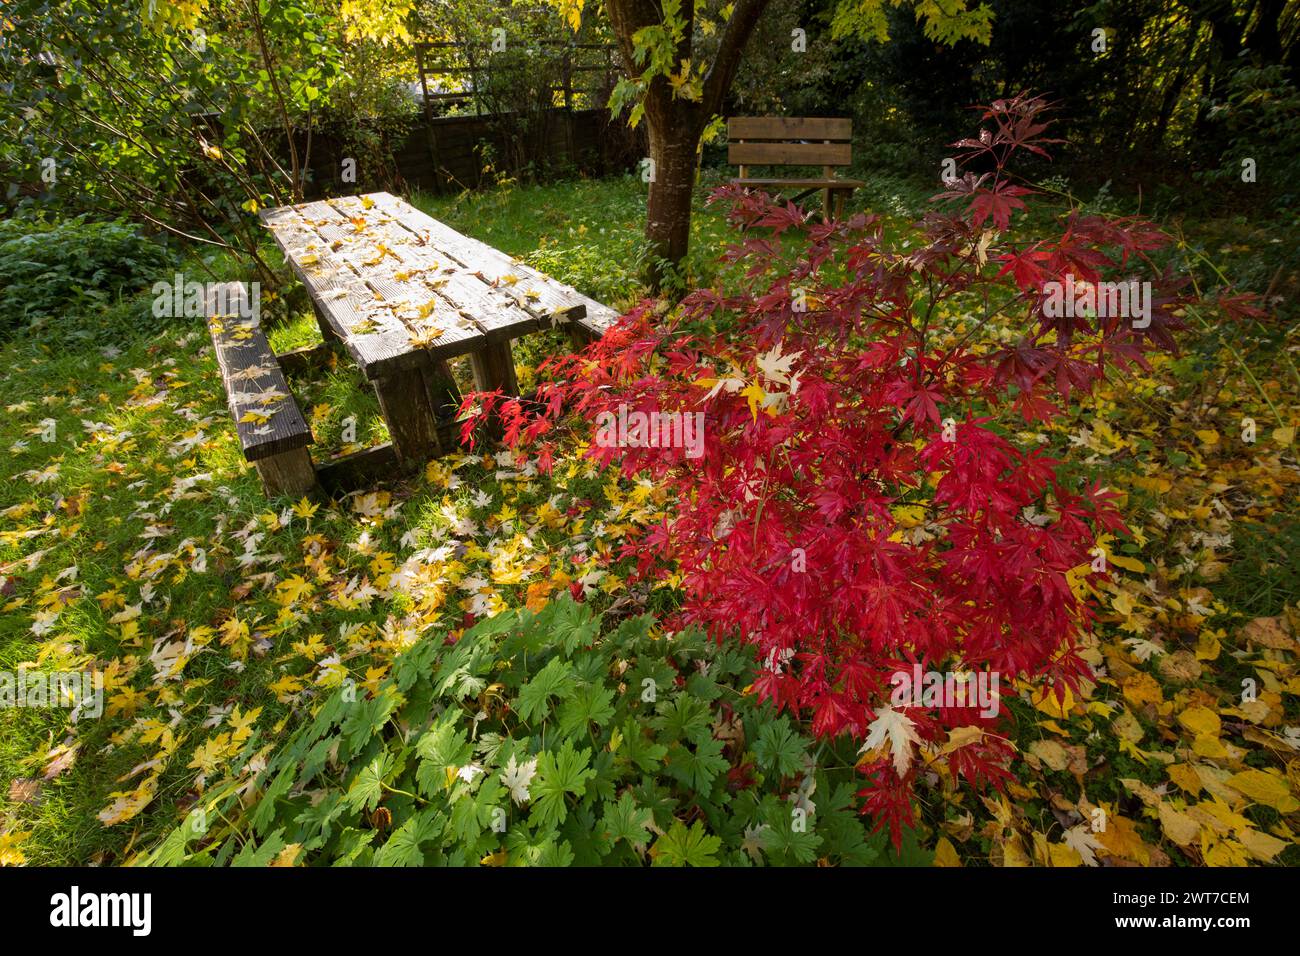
{"x": 449, "y": 153}
{"x": 552, "y": 121}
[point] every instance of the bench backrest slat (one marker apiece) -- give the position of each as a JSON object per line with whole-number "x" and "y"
{"x": 789, "y": 141}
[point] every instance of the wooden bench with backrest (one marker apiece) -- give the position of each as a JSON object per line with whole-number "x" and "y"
{"x": 794, "y": 141}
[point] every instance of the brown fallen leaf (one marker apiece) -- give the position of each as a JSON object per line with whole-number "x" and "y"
{"x": 25, "y": 790}
{"x": 1271, "y": 632}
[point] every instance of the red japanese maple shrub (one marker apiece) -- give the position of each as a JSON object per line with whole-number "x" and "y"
{"x": 859, "y": 508}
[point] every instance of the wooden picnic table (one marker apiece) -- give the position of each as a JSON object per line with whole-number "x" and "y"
{"x": 403, "y": 293}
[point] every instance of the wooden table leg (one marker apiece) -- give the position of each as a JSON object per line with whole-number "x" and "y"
{"x": 494, "y": 367}
{"x": 445, "y": 397}
{"x": 406, "y": 400}
{"x": 327, "y": 333}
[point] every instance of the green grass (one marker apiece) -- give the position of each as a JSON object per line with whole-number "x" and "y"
{"x": 97, "y": 511}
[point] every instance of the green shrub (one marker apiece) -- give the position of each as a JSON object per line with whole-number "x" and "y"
{"x": 536, "y": 740}
{"x": 48, "y": 269}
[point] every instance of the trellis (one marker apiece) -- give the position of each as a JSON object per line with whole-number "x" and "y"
{"x": 474, "y": 59}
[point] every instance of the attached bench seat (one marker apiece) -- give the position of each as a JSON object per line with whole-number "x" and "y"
{"x": 593, "y": 325}
{"x": 272, "y": 431}
{"x": 831, "y": 183}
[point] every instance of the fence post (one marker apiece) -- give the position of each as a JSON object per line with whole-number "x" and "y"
{"x": 568, "y": 103}
{"x": 431, "y": 138}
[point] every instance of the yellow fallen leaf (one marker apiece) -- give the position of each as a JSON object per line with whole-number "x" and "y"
{"x": 1044, "y": 699}
{"x": 1177, "y": 825}
{"x": 1186, "y": 778}
{"x": 1223, "y": 853}
{"x": 1207, "y": 645}
{"x": 945, "y": 854}
{"x": 1200, "y": 720}
{"x": 1123, "y": 603}
{"x": 1261, "y": 845}
{"x": 1128, "y": 564}
{"x": 1121, "y": 839}
{"x": 1063, "y": 855}
{"x": 909, "y": 516}
{"x": 1051, "y": 753}
{"x": 1142, "y": 689}
{"x": 1266, "y": 788}
{"x": 1209, "y": 746}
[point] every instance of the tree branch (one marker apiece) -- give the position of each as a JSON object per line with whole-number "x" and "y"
{"x": 739, "y": 28}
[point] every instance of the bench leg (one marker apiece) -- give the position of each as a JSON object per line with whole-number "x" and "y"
{"x": 327, "y": 333}
{"x": 288, "y": 473}
{"x": 408, "y": 408}
{"x": 445, "y": 397}
{"x": 579, "y": 337}
{"x": 840, "y": 196}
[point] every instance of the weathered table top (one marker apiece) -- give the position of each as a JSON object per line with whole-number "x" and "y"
{"x": 399, "y": 288}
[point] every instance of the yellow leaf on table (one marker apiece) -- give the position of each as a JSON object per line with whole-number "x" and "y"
{"x": 1266, "y": 788}
{"x": 945, "y": 854}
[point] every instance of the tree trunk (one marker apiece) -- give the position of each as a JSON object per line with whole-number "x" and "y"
{"x": 674, "y": 145}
